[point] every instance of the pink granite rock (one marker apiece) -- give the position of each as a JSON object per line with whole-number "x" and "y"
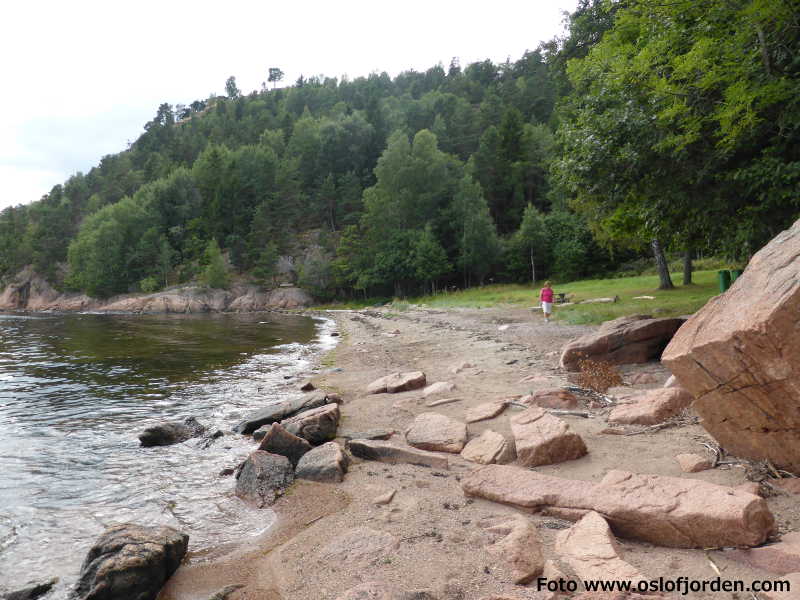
{"x": 397, "y": 382}
{"x": 488, "y": 448}
{"x": 487, "y": 410}
{"x": 432, "y": 431}
{"x": 542, "y": 439}
{"x": 652, "y": 407}
{"x": 693, "y": 463}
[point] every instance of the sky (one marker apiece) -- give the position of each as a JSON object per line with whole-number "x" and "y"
{"x": 81, "y": 78}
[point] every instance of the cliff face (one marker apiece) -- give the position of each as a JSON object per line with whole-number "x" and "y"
{"x": 29, "y": 291}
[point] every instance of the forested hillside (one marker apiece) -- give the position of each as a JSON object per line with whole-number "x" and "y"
{"x": 649, "y": 124}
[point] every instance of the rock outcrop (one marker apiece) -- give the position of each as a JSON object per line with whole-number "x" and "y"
{"x": 669, "y": 511}
{"x": 317, "y": 425}
{"x": 279, "y": 441}
{"x": 432, "y": 431}
{"x": 29, "y": 291}
{"x": 263, "y": 478}
{"x": 634, "y": 339}
{"x": 397, "y": 382}
{"x": 738, "y": 356}
{"x": 542, "y": 439}
{"x": 326, "y": 463}
{"x": 652, "y": 407}
{"x": 166, "y": 434}
{"x": 280, "y": 411}
{"x": 130, "y": 561}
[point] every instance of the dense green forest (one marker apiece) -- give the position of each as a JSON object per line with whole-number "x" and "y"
{"x": 648, "y": 126}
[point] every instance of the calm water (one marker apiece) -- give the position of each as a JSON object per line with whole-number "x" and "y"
{"x": 76, "y": 390}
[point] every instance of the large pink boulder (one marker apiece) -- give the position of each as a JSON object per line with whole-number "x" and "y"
{"x": 739, "y": 356}
{"x": 668, "y": 511}
{"x": 634, "y": 339}
{"x": 542, "y": 439}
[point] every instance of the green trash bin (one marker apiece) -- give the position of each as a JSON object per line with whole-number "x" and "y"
{"x": 724, "y": 280}
{"x": 735, "y": 273}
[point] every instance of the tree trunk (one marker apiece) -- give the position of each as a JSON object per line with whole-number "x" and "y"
{"x": 665, "y": 282}
{"x": 687, "y": 266}
{"x": 533, "y": 268}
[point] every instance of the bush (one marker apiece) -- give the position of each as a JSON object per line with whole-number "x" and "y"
{"x": 215, "y": 275}
{"x": 149, "y": 285}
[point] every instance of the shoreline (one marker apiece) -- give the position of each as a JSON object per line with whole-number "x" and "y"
{"x": 430, "y": 537}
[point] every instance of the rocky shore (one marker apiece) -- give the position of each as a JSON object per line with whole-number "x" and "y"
{"x": 31, "y": 292}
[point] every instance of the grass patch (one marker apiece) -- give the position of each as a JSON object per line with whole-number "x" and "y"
{"x": 682, "y": 300}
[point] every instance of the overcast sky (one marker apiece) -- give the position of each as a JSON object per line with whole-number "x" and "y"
{"x": 81, "y": 78}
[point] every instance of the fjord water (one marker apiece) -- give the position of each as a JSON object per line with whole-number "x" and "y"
{"x": 76, "y": 390}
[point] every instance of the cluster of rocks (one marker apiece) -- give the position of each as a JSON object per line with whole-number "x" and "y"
{"x": 295, "y": 441}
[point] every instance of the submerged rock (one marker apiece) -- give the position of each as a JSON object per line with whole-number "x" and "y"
{"x": 168, "y": 433}
{"x": 130, "y": 562}
{"x": 32, "y": 592}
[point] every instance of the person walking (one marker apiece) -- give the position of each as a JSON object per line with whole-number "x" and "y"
{"x": 546, "y": 298}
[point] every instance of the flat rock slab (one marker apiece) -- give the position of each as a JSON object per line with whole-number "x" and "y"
{"x": 395, "y": 453}
{"x": 738, "y": 356}
{"x": 397, "y": 382}
{"x": 693, "y": 463}
{"x": 279, "y": 441}
{"x": 263, "y": 478}
{"x": 488, "y": 448}
{"x": 326, "y": 463}
{"x": 542, "y": 439}
{"x": 633, "y": 339}
{"x": 317, "y": 425}
{"x": 780, "y": 558}
{"x": 440, "y": 387}
{"x": 130, "y": 561}
{"x": 280, "y": 411}
{"x": 487, "y": 410}
{"x": 432, "y": 431}
{"x": 652, "y": 407}
{"x": 520, "y": 551}
{"x": 668, "y": 511}
{"x": 370, "y": 434}
{"x": 590, "y": 549}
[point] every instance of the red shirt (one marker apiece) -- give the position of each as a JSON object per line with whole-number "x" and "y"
{"x": 546, "y": 295}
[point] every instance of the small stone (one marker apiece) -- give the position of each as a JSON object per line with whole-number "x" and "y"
{"x": 693, "y": 463}
{"x": 462, "y": 367}
{"x": 653, "y": 407}
{"x": 307, "y": 387}
{"x": 489, "y": 447}
{"x": 591, "y": 550}
{"x": 520, "y": 551}
{"x": 397, "y": 382}
{"x": 440, "y": 387}
{"x": 551, "y": 398}
{"x": 384, "y": 498}
{"x": 542, "y": 439}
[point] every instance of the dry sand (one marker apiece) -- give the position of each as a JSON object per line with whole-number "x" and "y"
{"x": 436, "y": 541}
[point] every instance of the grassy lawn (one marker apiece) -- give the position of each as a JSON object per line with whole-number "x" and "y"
{"x": 682, "y": 300}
